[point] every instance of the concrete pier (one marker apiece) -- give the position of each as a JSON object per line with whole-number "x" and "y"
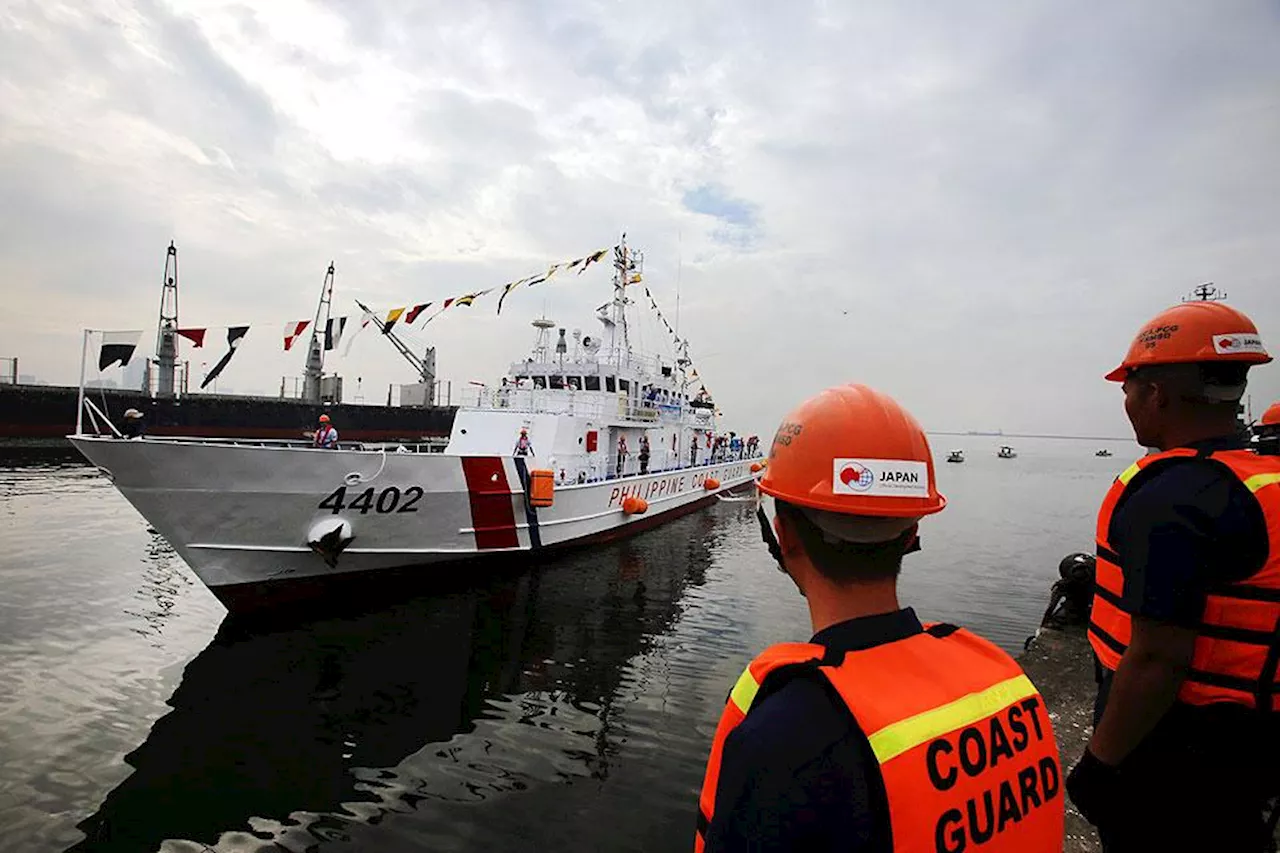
{"x": 1060, "y": 664}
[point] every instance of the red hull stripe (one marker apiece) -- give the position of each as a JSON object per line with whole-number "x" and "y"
{"x": 492, "y": 515}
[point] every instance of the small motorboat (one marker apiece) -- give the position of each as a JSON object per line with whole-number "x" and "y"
{"x": 1103, "y": 452}
{"x": 955, "y": 456}
{"x": 1006, "y": 452}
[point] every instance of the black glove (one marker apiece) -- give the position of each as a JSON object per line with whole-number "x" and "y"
{"x": 1096, "y": 789}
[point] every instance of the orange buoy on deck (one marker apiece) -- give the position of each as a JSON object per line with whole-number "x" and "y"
{"x": 711, "y": 484}
{"x": 542, "y": 487}
{"x": 756, "y": 467}
{"x": 633, "y": 505}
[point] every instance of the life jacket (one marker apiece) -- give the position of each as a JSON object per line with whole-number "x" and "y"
{"x": 326, "y": 436}
{"x": 1238, "y": 642}
{"x": 961, "y": 736}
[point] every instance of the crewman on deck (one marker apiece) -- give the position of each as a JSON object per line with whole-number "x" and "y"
{"x": 622, "y": 454}
{"x": 644, "y": 454}
{"x": 524, "y": 447}
{"x": 881, "y": 733}
{"x": 326, "y": 436}
{"x": 133, "y": 425}
{"x": 1185, "y": 621}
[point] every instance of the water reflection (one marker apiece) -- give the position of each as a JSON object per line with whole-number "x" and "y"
{"x": 307, "y": 733}
{"x": 163, "y": 580}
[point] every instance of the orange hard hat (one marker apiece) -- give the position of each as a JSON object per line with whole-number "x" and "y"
{"x": 1271, "y": 417}
{"x": 854, "y": 451}
{"x": 324, "y": 419}
{"x": 1194, "y": 332}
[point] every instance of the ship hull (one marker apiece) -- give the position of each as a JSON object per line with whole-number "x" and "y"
{"x": 46, "y": 412}
{"x": 258, "y": 524}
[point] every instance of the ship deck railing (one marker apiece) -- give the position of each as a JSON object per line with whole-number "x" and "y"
{"x": 581, "y": 468}
{"x": 435, "y": 445}
{"x": 597, "y": 405}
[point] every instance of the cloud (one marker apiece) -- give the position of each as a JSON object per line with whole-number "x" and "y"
{"x": 737, "y": 217}
{"x": 997, "y": 196}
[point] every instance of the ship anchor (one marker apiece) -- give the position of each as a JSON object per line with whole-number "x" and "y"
{"x": 331, "y": 542}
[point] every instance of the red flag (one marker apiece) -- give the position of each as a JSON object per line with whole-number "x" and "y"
{"x": 196, "y": 336}
{"x": 291, "y": 332}
{"x": 414, "y": 312}
{"x": 447, "y": 303}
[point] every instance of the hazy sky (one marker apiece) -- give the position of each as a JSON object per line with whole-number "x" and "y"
{"x": 972, "y": 206}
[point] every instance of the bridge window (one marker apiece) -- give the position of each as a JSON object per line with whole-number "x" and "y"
{"x": 609, "y": 384}
{"x": 593, "y": 383}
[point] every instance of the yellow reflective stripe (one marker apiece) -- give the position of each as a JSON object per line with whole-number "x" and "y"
{"x": 904, "y": 735}
{"x": 744, "y": 692}
{"x": 1128, "y": 473}
{"x": 1257, "y": 481}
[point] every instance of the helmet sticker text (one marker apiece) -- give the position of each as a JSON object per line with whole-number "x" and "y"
{"x": 900, "y": 478}
{"x": 785, "y": 434}
{"x": 1154, "y": 335}
{"x": 1238, "y": 343}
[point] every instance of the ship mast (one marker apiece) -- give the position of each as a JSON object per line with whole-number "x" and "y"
{"x": 542, "y": 345}
{"x": 626, "y": 263}
{"x": 166, "y": 333}
{"x": 315, "y": 356}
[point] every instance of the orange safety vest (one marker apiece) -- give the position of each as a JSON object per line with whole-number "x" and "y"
{"x": 961, "y": 736}
{"x": 326, "y": 435}
{"x": 1238, "y": 642}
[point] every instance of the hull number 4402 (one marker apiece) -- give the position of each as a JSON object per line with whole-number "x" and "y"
{"x": 390, "y": 499}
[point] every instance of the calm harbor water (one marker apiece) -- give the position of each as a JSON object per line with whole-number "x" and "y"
{"x": 569, "y": 706}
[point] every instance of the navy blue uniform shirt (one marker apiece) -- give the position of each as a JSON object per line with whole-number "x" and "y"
{"x": 1183, "y": 525}
{"x": 797, "y": 773}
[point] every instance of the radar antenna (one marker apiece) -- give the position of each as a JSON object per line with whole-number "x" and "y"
{"x": 1205, "y": 293}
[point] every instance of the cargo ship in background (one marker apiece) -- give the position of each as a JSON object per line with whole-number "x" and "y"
{"x": 33, "y": 414}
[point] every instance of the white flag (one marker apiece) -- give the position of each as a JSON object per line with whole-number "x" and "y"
{"x": 365, "y": 321}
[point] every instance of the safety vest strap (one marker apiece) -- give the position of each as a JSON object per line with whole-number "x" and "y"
{"x": 739, "y": 702}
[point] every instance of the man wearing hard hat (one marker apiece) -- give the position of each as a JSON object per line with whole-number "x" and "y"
{"x": 880, "y": 733}
{"x": 1185, "y": 622}
{"x": 326, "y": 436}
{"x": 1268, "y": 431}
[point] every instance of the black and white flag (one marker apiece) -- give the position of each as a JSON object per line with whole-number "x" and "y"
{"x": 234, "y": 334}
{"x": 117, "y": 347}
{"x": 333, "y": 330}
